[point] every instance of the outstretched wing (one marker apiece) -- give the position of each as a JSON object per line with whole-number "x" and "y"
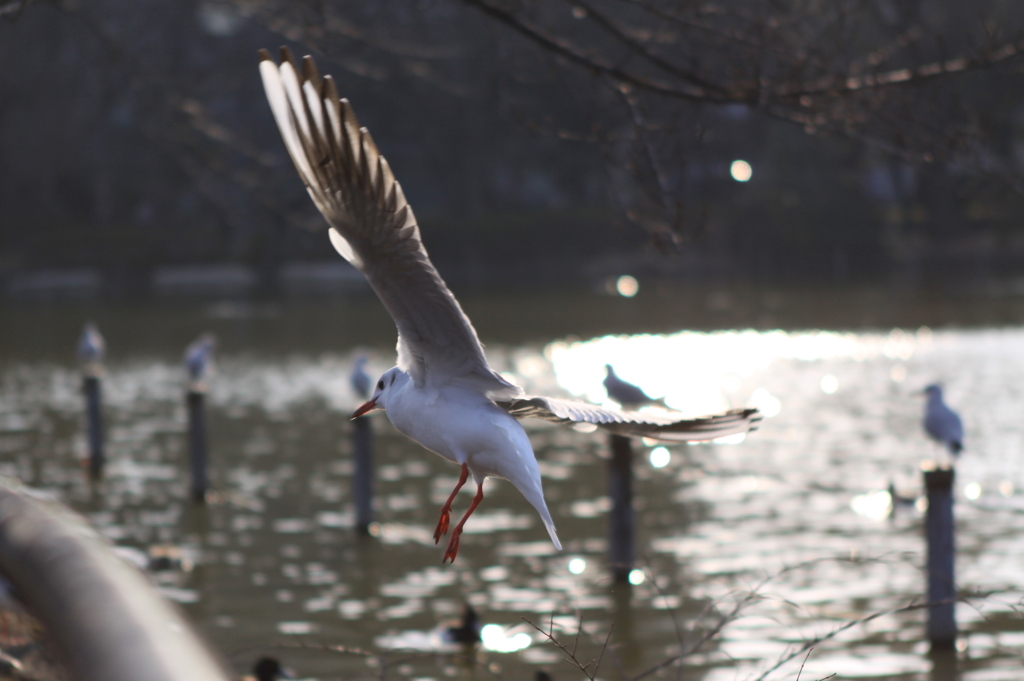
{"x": 373, "y": 226}
{"x": 654, "y": 426}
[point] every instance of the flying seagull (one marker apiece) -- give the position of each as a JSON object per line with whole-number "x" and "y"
{"x": 442, "y": 394}
{"x": 942, "y": 423}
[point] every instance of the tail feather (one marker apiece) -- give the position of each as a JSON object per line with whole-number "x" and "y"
{"x": 549, "y": 524}
{"x": 533, "y": 492}
{"x": 522, "y": 470}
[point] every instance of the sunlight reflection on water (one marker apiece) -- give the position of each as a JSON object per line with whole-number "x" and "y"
{"x": 797, "y": 504}
{"x": 695, "y": 372}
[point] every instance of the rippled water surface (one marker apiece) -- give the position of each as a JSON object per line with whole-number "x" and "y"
{"x": 788, "y": 528}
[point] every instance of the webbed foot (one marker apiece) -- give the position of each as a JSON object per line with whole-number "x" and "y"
{"x": 442, "y": 524}
{"x": 453, "y": 547}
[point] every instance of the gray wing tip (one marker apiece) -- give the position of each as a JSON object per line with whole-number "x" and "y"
{"x": 630, "y": 424}
{"x": 286, "y": 55}
{"x": 751, "y": 414}
{"x": 732, "y": 422}
{"x": 330, "y": 90}
{"x": 337, "y": 159}
{"x": 310, "y": 73}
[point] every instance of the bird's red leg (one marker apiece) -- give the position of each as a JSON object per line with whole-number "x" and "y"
{"x": 453, "y": 543}
{"x": 446, "y": 510}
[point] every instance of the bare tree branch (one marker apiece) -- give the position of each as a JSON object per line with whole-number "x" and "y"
{"x": 11, "y": 11}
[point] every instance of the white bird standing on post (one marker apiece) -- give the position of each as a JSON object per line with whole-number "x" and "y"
{"x": 941, "y": 423}
{"x": 91, "y": 346}
{"x": 359, "y": 379}
{"x": 442, "y": 393}
{"x": 199, "y": 360}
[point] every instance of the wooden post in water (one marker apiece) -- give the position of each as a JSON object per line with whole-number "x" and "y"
{"x": 91, "y": 350}
{"x": 195, "y": 400}
{"x": 941, "y": 577}
{"x": 199, "y": 366}
{"x": 362, "y": 477}
{"x": 92, "y": 389}
{"x": 621, "y": 552}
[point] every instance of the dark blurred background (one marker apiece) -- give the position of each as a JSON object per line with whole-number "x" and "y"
{"x": 539, "y": 142}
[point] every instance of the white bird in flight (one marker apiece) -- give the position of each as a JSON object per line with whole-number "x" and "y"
{"x": 941, "y": 423}
{"x": 442, "y": 394}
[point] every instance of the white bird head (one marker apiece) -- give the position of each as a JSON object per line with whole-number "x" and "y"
{"x": 379, "y": 398}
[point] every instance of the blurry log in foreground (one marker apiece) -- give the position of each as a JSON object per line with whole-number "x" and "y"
{"x": 104, "y": 620}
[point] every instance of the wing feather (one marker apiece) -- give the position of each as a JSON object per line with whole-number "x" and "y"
{"x": 638, "y": 424}
{"x": 373, "y": 226}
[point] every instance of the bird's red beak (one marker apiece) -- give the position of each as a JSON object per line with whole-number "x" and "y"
{"x": 366, "y": 406}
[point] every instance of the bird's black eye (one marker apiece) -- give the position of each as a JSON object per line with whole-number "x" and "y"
{"x": 380, "y": 384}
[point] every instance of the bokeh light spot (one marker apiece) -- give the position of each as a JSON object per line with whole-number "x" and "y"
{"x": 741, "y": 171}
{"x": 874, "y": 505}
{"x": 494, "y": 638}
{"x": 627, "y": 286}
{"x": 768, "y": 404}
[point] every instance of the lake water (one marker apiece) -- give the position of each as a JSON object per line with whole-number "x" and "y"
{"x": 790, "y": 525}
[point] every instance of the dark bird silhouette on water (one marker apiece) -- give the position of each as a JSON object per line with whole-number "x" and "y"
{"x": 624, "y": 392}
{"x": 267, "y": 669}
{"x": 941, "y": 423}
{"x": 897, "y": 500}
{"x": 467, "y": 630}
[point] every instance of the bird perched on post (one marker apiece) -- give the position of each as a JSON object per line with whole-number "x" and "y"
{"x": 199, "y": 359}
{"x": 359, "y": 379}
{"x": 941, "y": 423}
{"x": 624, "y": 392}
{"x": 91, "y": 346}
{"x": 442, "y": 393}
